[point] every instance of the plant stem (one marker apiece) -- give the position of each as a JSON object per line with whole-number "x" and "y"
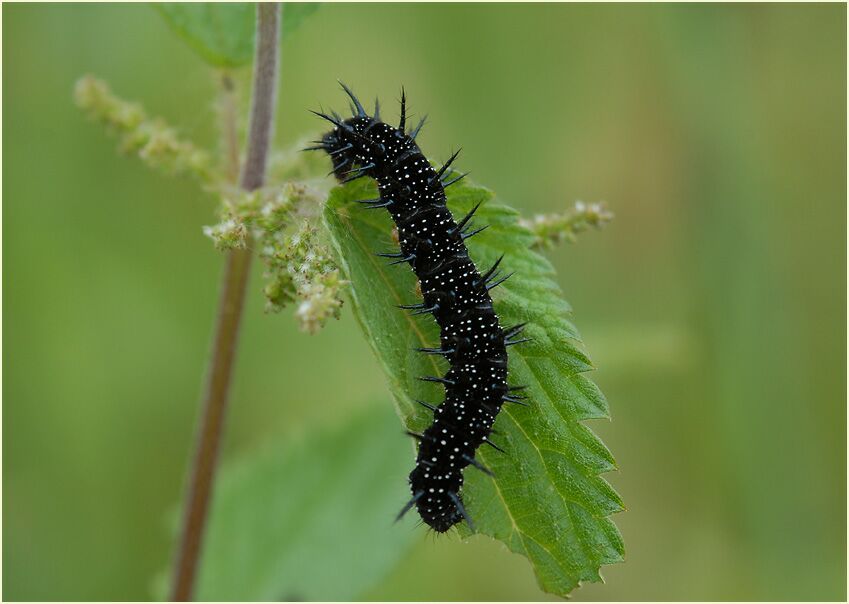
{"x": 264, "y": 98}
{"x": 229, "y": 126}
{"x": 231, "y": 303}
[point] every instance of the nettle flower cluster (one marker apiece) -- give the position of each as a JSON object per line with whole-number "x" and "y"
{"x": 300, "y": 270}
{"x": 151, "y": 139}
{"x": 277, "y": 221}
{"x": 551, "y": 229}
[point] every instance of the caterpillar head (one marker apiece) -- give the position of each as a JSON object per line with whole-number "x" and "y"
{"x": 363, "y": 145}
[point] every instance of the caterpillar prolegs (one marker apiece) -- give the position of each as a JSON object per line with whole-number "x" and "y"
{"x": 453, "y": 291}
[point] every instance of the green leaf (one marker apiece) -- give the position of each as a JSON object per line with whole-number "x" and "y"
{"x": 547, "y": 501}
{"x": 223, "y": 33}
{"x": 312, "y": 520}
{"x": 294, "y": 13}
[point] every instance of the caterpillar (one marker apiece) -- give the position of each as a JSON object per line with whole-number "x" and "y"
{"x": 432, "y": 243}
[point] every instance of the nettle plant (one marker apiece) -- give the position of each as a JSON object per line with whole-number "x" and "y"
{"x": 539, "y": 489}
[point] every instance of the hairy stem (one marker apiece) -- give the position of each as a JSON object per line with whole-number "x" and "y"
{"x": 264, "y": 97}
{"x": 231, "y": 302}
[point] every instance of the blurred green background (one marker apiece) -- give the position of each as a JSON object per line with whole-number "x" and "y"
{"x": 714, "y": 305}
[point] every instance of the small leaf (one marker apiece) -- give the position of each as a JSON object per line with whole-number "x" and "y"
{"x": 312, "y": 520}
{"x": 294, "y": 13}
{"x": 223, "y": 33}
{"x": 547, "y": 501}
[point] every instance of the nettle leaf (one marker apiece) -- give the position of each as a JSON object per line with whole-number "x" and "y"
{"x": 310, "y": 521}
{"x": 294, "y": 13}
{"x": 223, "y": 33}
{"x": 547, "y": 501}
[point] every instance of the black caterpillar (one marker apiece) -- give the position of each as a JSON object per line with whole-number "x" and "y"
{"x": 453, "y": 291}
